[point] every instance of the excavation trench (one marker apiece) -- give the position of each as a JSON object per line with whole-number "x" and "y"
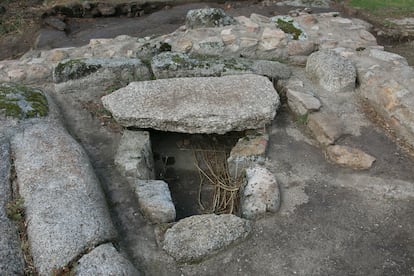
{"x": 183, "y": 161}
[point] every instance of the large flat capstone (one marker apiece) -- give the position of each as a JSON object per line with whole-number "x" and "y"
{"x": 196, "y": 105}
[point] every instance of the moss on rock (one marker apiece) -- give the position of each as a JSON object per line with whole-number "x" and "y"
{"x": 22, "y": 102}
{"x": 289, "y": 26}
{"x": 74, "y": 69}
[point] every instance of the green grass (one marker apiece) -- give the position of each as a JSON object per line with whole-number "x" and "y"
{"x": 385, "y": 6}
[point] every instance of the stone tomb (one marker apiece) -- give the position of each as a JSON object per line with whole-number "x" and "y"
{"x": 197, "y": 106}
{"x": 186, "y": 134}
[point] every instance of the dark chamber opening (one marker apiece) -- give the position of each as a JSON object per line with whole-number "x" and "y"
{"x": 178, "y": 159}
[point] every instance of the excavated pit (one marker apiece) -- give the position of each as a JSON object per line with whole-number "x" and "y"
{"x": 175, "y": 162}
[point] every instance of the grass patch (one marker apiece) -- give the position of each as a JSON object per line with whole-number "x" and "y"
{"x": 15, "y": 209}
{"x": 11, "y": 25}
{"x": 302, "y": 119}
{"x": 385, "y": 7}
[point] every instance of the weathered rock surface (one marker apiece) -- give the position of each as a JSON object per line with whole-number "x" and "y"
{"x": 105, "y": 260}
{"x": 333, "y": 72}
{"x": 249, "y": 150}
{"x": 390, "y": 92}
{"x": 176, "y": 65}
{"x": 326, "y": 127}
{"x": 56, "y": 23}
{"x": 302, "y": 103}
{"x": 196, "y": 105}
{"x": 349, "y": 157}
{"x": 306, "y": 3}
{"x": 210, "y": 17}
{"x": 113, "y": 71}
{"x": 65, "y": 208}
{"x": 196, "y": 237}
{"x": 406, "y": 24}
{"x": 134, "y": 155}
{"x": 260, "y": 194}
{"x": 11, "y": 259}
{"x": 155, "y": 200}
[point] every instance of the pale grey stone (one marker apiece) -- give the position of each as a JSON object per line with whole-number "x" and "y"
{"x": 55, "y": 23}
{"x": 325, "y": 127}
{"x": 332, "y": 71}
{"x": 196, "y": 237}
{"x": 11, "y": 259}
{"x": 306, "y": 3}
{"x": 271, "y": 69}
{"x": 123, "y": 69}
{"x": 105, "y": 260}
{"x": 155, "y": 200}
{"x": 260, "y": 194}
{"x": 5, "y": 174}
{"x": 302, "y": 103}
{"x": 65, "y": 208}
{"x": 174, "y": 65}
{"x": 134, "y": 155}
{"x": 349, "y": 157}
{"x": 196, "y": 105}
{"x": 387, "y": 56}
{"x": 208, "y": 18}
{"x": 106, "y": 9}
{"x": 249, "y": 150}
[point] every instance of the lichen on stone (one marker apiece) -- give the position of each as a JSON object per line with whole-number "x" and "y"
{"x": 22, "y": 102}
{"x": 74, "y": 69}
{"x": 290, "y": 27}
{"x": 208, "y": 18}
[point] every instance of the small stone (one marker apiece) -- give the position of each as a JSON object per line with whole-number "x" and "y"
{"x": 250, "y": 26}
{"x": 365, "y": 35}
{"x": 301, "y": 47}
{"x": 259, "y": 19}
{"x": 208, "y": 18}
{"x": 249, "y": 150}
{"x": 228, "y": 37}
{"x": 106, "y": 9}
{"x": 302, "y": 103}
{"x": 212, "y": 46}
{"x": 247, "y": 42}
{"x": 182, "y": 45}
{"x": 260, "y": 194}
{"x": 272, "y": 39}
{"x": 197, "y": 237}
{"x": 326, "y": 127}
{"x": 349, "y": 157}
{"x": 155, "y": 200}
{"x": 56, "y": 55}
{"x": 105, "y": 260}
{"x": 134, "y": 155}
{"x": 387, "y": 56}
{"x": 56, "y": 23}
{"x": 332, "y": 71}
